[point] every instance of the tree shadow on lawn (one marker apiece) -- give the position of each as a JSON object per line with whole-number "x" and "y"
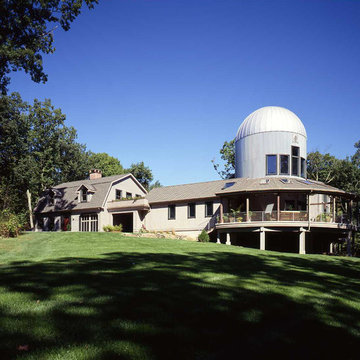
{"x": 171, "y": 306}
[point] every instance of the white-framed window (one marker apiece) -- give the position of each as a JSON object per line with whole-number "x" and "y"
{"x": 84, "y": 195}
{"x": 191, "y": 210}
{"x": 118, "y": 194}
{"x": 209, "y": 209}
{"x": 171, "y": 212}
{"x": 88, "y": 222}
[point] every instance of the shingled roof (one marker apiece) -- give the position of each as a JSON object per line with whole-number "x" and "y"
{"x": 185, "y": 192}
{"x": 211, "y": 189}
{"x": 65, "y": 195}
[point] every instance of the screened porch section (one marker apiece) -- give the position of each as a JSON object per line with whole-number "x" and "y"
{"x": 285, "y": 207}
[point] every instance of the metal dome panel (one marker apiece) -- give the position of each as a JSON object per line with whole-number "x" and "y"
{"x": 271, "y": 118}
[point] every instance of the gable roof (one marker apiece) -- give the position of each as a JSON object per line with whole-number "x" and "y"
{"x": 65, "y": 198}
{"x": 211, "y": 189}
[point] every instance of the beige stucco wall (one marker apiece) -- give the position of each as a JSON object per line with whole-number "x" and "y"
{"x": 157, "y": 218}
{"x": 127, "y": 185}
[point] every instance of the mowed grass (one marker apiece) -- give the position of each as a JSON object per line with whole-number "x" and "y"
{"x": 106, "y": 296}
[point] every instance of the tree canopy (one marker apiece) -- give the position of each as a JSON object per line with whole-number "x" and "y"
{"x": 37, "y": 150}
{"x": 26, "y": 32}
{"x": 227, "y": 153}
{"x": 108, "y": 165}
{"x": 142, "y": 173}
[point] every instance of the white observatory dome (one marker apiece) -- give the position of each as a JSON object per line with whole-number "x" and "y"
{"x": 271, "y": 141}
{"x": 271, "y": 118}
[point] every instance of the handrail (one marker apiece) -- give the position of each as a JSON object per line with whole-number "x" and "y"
{"x": 285, "y": 215}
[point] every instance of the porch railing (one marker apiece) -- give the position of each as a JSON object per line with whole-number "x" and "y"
{"x": 242, "y": 216}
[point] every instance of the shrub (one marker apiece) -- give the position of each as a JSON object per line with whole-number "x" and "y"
{"x": 117, "y": 228}
{"x": 10, "y": 224}
{"x": 204, "y": 237}
{"x": 110, "y": 228}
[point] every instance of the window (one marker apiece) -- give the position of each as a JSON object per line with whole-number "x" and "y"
{"x": 84, "y": 195}
{"x": 289, "y": 205}
{"x": 271, "y": 165}
{"x": 303, "y": 168}
{"x": 284, "y": 164}
{"x": 295, "y": 161}
{"x": 209, "y": 209}
{"x": 118, "y": 194}
{"x": 191, "y": 210}
{"x": 129, "y": 195}
{"x": 171, "y": 212}
{"x": 301, "y": 205}
{"x": 137, "y": 196}
{"x": 88, "y": 222}
{"x": 51, "y": 197}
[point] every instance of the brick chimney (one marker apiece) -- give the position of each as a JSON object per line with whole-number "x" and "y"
{"x": 95, "y": 174}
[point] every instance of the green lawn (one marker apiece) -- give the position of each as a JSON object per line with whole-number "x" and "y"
{"x": 105, "y": 296}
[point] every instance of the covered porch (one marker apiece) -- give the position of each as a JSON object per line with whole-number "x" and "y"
{"x": 287, "y": 218}
{"x": 288, "y": 207}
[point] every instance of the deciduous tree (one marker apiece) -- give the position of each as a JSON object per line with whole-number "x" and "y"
{"x": 108, "y": 165}
{"x": 142, "y": 173}
{"x": 26, "y": 32}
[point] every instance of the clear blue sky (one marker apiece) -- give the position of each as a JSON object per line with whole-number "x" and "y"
{"x": 168, "y": 81}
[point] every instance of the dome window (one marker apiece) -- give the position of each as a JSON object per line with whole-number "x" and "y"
{"x": 295, "y": 159}
{"x": 303, "y": 168}
{"x": 271, "y": 164}
{"x": 284, "y": 164}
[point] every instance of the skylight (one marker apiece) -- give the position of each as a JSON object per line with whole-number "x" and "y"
{"x": 285, "y": 181}
{"x": 228, "y": 184}
{"x": 307, "y": 182}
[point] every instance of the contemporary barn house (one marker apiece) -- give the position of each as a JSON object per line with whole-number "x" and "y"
{"x": 270, "y": 204}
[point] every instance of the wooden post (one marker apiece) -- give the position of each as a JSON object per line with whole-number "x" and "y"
{"x": 30, "y": 209}
{"x": 302, "y": 239}
{"x": 221, "y": 211}
{"x": 348, "y": 243}
{"x": 262, "y": 239}
{"x": 351, "y": 210}
{"x": 278, "y": 207}
{"x": 247, "y": 209}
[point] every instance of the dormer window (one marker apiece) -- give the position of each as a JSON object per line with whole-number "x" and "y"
{"x": 84, "y": 195}
{"x": 51, "y": 197}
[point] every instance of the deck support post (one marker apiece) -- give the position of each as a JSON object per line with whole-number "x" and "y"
{"x": 228, "y": 242}
{"x": 348, "y": 243}
{"x": 331, "y": 248}
{"x": 218, "y": 238}
{"x": 302, "y": 241}
{"x": 247, "y": 209}
{"x": 262, "y": 239}
{"x": 221, "y": 210}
